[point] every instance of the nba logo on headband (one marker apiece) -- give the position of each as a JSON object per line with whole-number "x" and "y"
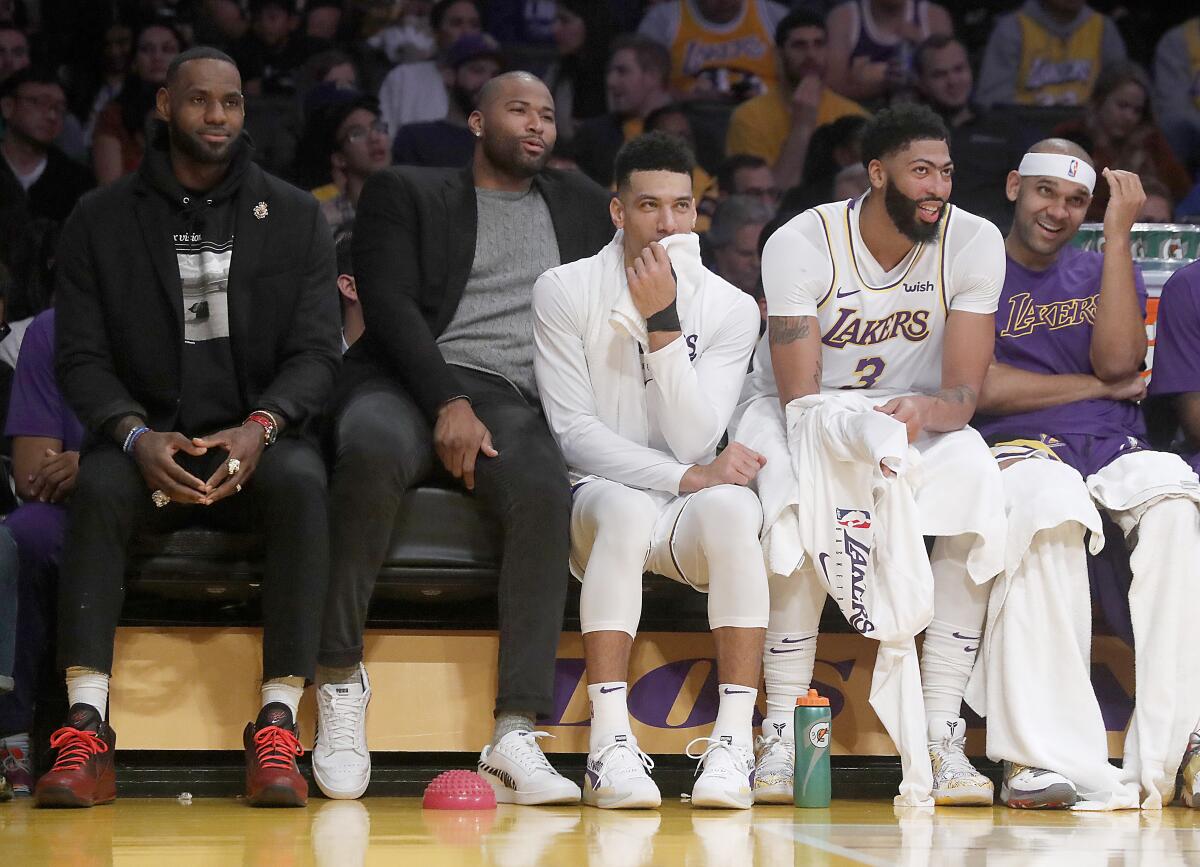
{"x": 1058, "y": 166}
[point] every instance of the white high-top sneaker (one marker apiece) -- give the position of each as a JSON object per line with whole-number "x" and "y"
{"x": 956, "y": 783}
{"x": 726, "y": 774}
{"x": 618, "y": 776}
{"x": 341, "y": 762}
{"x": 520, "y": 773}
{"x": 774, "y": 766}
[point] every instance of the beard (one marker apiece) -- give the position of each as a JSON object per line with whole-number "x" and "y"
{"x": 903, "y": 212}
{"x": 198, "y": 149}
{"x": 509, "y": 156}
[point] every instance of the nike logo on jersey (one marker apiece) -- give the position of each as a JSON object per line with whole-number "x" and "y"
{"x": 851, "y": 328}
{"x": 842, "y": 293}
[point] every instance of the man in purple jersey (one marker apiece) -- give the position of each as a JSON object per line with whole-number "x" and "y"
{"x": 1059, "y": 408}
{"x": 1177, "y": 354}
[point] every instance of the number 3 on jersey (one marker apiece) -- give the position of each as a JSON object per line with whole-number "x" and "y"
{"x": 869, "y": 370}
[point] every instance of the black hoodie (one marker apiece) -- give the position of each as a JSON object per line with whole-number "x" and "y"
{"x": 203, "y": 229}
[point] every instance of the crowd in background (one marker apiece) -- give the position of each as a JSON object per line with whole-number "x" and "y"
{"x": 771, "y": 96}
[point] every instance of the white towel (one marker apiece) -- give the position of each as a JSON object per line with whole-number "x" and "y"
{"x": 861, "y": 531}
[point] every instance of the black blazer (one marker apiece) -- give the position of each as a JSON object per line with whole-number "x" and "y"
{"x": 119, "y": 303}
{"x": 414, "y": 245}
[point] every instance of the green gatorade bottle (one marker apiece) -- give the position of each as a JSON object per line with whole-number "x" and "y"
{"x": 811, "y": 726}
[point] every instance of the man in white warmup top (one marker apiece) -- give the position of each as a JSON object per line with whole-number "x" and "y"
{"x": 1062, "y": 420}
{"x": 892, "y": 294}
{"x": 641, "y": 353}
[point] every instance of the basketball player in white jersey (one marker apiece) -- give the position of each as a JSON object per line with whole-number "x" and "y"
{"x": 893, "y": 294}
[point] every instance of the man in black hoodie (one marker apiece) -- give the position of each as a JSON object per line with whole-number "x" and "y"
{"x": 197, "y": 338}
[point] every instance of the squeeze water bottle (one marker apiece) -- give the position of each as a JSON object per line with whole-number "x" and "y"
{"x": 811, "y": 726}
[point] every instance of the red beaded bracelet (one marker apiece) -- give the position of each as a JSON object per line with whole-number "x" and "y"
{"x": 270, "y": 429}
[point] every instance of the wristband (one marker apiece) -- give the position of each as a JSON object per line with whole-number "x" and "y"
{"x": 666, "y": 319}
{"x": 267, "y": 421}
{"x": 132, "y": 437}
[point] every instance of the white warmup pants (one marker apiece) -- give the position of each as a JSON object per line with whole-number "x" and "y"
{"x": 708, "y": 540}
{"x": 1153, "y": 498}
{"x": 1041, "y": 707}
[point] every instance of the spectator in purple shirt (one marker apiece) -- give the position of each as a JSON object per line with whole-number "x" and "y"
{"x": 45, "y": 445}
{"x": 1177, "y": 354}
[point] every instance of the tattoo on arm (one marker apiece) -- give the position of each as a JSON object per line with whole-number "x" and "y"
{"x": 960, "y": 394}
{"x": 782, "y": 330}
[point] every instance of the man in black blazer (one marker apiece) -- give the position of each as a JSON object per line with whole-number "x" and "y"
{"x": 197, "y": 338}
{"x": 445, "y": 262}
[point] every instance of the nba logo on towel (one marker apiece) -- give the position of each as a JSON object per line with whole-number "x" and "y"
{"x": 855, "y": 519}
{"x": 1073, "y": 169}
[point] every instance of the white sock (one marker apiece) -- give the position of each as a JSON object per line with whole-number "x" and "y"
{"x": 17, "y": 744}
{"x": 788, "y": 660}
{"x": 947, "y": 658}
{"x": 85, "y": 686}
{"x": 610, "y": 712}
{"x": 779, "y": 726}
{"x": 735, "y": 713}
{"x": 285, "y": 690}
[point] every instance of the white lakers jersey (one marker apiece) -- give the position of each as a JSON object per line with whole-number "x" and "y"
{"x": 881, "y": 331}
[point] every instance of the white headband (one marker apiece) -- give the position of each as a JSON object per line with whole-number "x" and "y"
{"x": 1059, "y": 166}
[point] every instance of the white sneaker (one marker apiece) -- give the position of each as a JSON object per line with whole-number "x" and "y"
{"x": 340, "y": 760}
{"x": 774, "y": 765}
{"x": 956, "y": 783}
{"x": 520, "y": 773}
{"x": 1026, "y": 788}
{"x": 726, "y": 774}
{"x": 618, "y": 776}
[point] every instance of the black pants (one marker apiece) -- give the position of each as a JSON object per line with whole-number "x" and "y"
{"x": 384, "y": 446}
{"x": 287, "y": 499}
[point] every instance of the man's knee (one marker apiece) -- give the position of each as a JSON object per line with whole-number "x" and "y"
{"x": 621, "y": 519}
{"x": 107, "y": 478}
{"x": 292, "y": 472}
{"x": 531, "y": 469}
{"x": 728, "y": 512}
{"x": 382, "y": 434}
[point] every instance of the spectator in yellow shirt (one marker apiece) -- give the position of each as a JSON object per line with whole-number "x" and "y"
{"x": 778, "y": 125}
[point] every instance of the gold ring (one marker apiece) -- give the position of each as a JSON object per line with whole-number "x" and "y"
{"x": 233, "y": 466}
{"x": 160, "y": 498}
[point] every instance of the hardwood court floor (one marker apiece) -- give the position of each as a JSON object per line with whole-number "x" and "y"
{"x": 135, "y": 832}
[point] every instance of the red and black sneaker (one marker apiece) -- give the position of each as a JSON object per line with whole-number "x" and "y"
{"x": 272, "y": 745}
{"x": 83, "y": 775}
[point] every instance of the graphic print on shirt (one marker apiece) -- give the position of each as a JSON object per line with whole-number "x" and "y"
{"x": 1025, "y": 317}
{"x": 887, "y": 335}
{"x": 204, "y": 273}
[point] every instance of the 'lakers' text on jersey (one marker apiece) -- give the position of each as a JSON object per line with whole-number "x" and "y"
{"x": 881, "y": 330}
